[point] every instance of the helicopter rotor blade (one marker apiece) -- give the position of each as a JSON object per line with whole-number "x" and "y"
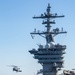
{"x": 11, "y": 65}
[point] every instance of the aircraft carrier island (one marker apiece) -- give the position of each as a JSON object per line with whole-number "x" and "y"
{"x": 51, "y": 54}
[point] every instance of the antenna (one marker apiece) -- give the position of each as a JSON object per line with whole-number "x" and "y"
{"x": 49, "y": 56}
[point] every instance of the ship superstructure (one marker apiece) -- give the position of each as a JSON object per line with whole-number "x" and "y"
{"x": 50, "y": 55}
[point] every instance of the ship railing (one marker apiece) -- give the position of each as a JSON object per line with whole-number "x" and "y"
{"x": 50, "y": 61}
{"x": 54, "y": 47}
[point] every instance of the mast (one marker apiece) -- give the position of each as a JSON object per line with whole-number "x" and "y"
{"x": 49, "y": 56}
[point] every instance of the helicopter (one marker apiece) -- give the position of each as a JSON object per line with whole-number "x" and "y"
{"x": 15, "y": 68}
